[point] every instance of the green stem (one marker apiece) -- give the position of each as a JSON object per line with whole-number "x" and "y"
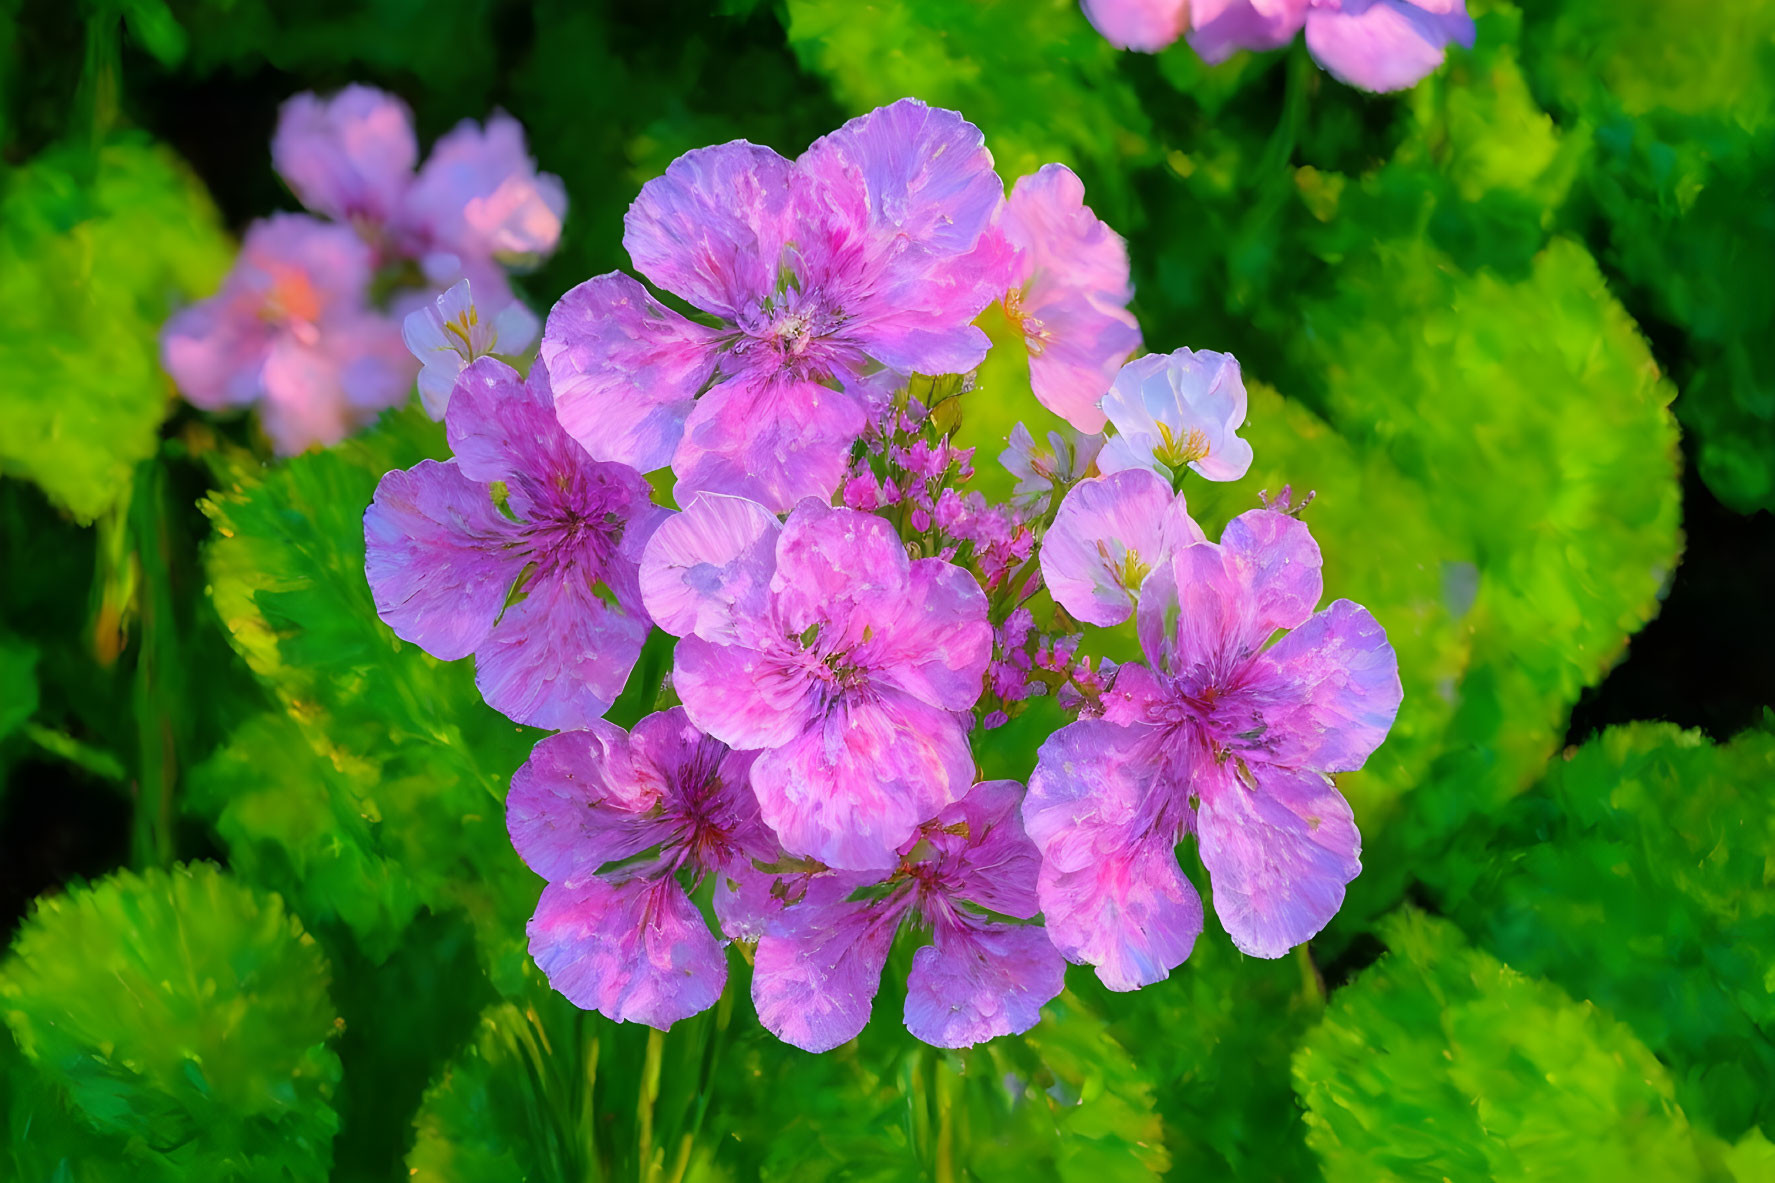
{"x": 64, "y": 746}
{"x": 1279, "y": 151}
{"x": 156, "y": 693}
{"x": 1312, "y": 985}
{"x": 656, "y": 1043}
{"x": 97, "y": 102}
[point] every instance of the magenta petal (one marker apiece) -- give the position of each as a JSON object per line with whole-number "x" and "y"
{"x": 437, "y": 557}
{"x": 625, "y": 370}
{"x": 1221, "y": 27}
{"x": 996, "y": 865}
{"x": 712, "y": 229}
{"x": 774, "y": 440}
{"x": 1111, "y": 891}
{"x": 934, "y": 640}
{"x": 560, "y": 654}
{"x": 830, "y": 559}
{"x": 501, "y": 427}
{"x": 707, "y": 570}
{"x": 575, "y": 805}
{"x": 743, "y": 697}
{"x": 1109, "y": 533}
{"x": 215, "y": 357}
{"x": 855, "y": 785}
{"x": 978, "y": 981}
{"x": 636, "y": 952}
{"x": 1144, "y": 25}
{"x": 348, "y": 157}
{"x": 1278, "y": 855}
{"x": 1328, "y": 691}
{"x": 816, "y": 971}
{"x": 1383, "y": 45}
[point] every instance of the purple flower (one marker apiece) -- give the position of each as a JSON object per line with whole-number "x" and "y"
{"x": 819, "y": 963}
{"x": 1145, "y": 25}
{"x": 448, "y": 333}
{"x": 349, "y": 157}
{"x": 292, "y": 330}
{"x": 1109, "y": 533}
{"x": 521, "y": 550}
{"x": 1063, "y": 458}
{"x": 1377, "y": 45}
{"x": 1172, "y": 410}
{"x": 615, "y": 822}
{"x": 1220, "y": 737}
{"x": 1069, "y": 294}
{"x": 857, "y": 259}
{"x": 819, "y": 643}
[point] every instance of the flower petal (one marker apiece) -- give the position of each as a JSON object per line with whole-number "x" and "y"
{"x": 1108, "y": 534}
{"x": 978, "y": 981}
{"x": 350, "y": 156}
{"x": 1383, "y": 45}
{"x": 1278, "y": 854}
{"x": 933, "y": 640}
{"x": 817, "y": 969}
{"x": 707, "y": 570}
{"x": 1328, "y": 692}
{"x": 744, "y": 697}
{"x": 1218, "y": 28}
{"x": 990, "y": 861}
{"x": 438, "y": 558}
{"x": 479, "y": 196}
{"x": 577, "y": 804}
{"x": 851, "y": 788}
{"x": 637, "y": 952}
{"x": 625, "y": 370}
{"x": 1111, "y": 891}
{"x": 775, "y": 440}
{"x": 831, "y": 559}
{"x": 1144, "y": 25}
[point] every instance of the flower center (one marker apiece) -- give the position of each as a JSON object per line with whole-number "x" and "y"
{"x": 1035, "y": 334}
{"x": 1177, "y": 450}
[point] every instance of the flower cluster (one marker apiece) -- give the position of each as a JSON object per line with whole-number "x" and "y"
{"x": 852, "y": 619}
{"x": 295, "y": 328}
{"x": 1378, "y": 45}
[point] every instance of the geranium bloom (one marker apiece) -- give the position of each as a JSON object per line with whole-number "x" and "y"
{"x": 1377, "y": 45}
{"x": 349, "y": 157}
{"x": 617, "y": 823}
{"x": 819, "y": 963}
{"x": 1145, "y": 25}
{"x": 1173, "y": 410}
{"x": 448, "y": 333}
{"x": 1068, "y": 295}
{"x": 1109, "y": 533}
{"x": 1061, "y": 459}
{"x": 856, "y": 260}
{"x": 817, "y": 641}
{"x": 521, "y": 550}
{"x": 1223, "y": 738}
{"x": 292, "y": 330}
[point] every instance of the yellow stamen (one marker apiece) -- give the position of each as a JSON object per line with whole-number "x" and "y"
{"x": 1176, "y": 451}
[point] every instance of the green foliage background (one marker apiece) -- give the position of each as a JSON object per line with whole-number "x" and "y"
{"x": 1512, "y": 327}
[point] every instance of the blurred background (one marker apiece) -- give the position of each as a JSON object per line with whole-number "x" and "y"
{"x": 1513, "y": 326}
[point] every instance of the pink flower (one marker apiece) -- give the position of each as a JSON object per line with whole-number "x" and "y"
{"x": 1069, "y": 294}
{"x": 1378, "y": 45}
{"x": 292, "y": 331}
{"x": 349, "y": 157}
{"x": 819, "y": 963}
{"x": 621, "y": 825}
{"x": 818, "y": 644}
{"x": 856, "y": 259}
{"x": 1224, "y": 738}
{"x": 1110, "y": 532}
{"x": 1145, "y": 25}
{"x": 521, "y": 550}
{"x": 1177, "y": 410}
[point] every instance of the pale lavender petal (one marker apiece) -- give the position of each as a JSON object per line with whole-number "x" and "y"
{"x": 978, "y": 981}
{"x": 637, "y": 952}
{"x": 707, "y": 570}
{"x": 576, "y": 804}
{"x": 216, "y": 356}
{"x": 438, "y": 558}
{"x": 349, "y": 157}
{"x": 625, "y": 369}
{"x": 1383, "y": 45}
{"x": 561, "y": 653}
{"x": 375, "y": 370}
{"x": 1072, "y": 295}
{"x": 479, "y": 196}
{"x": 855, "y": 785}
{"x": 1108, "y": 535}
{"x": 932, "y": 641}
{"x": 743, "y": 697}
{"x": 712, "y": 229}
{"x": 1219, "y": 28}
{"x": 1144, "y": 25}
{"x": 1327, "y": 693}
{"x": 816, "y": 971}
{"x": 1175, "y": 409}
{"x": 1111, "y": 891}
{"x": 1278, "y": 853}
{"x": 774, "y": 440}
{"x": 830, "y": 559}
{"x": 304, "y": 404}
{"x": 445, "y": 335}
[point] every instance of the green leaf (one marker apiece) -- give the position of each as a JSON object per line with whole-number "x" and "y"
{"x": 186, "y": 1014}
{"x": 287, "y": 578}
{"x": 1440, "y": 1062}
{"x": 95, "y": 251}
{"x": 1637, "y": 875}
{"x": 18, "y": 683}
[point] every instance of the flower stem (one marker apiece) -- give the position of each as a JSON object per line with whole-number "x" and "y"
{"x": 60, "y": 744}
{"x": 156, "y": 694}
{"x": 656, "y": 1044}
